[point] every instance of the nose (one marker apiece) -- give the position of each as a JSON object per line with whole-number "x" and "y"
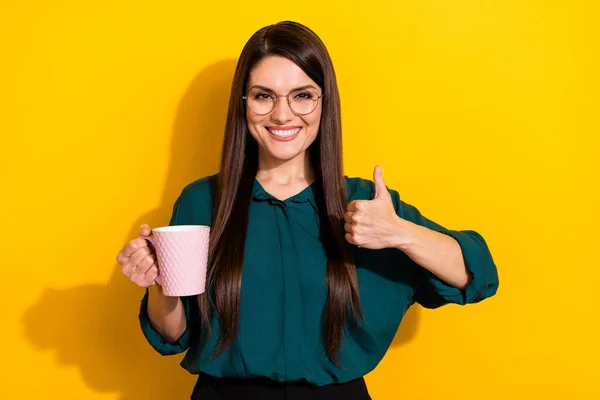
{"x": 282, "y": 112}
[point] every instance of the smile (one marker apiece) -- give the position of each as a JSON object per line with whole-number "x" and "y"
{"x": 283, "y": 133}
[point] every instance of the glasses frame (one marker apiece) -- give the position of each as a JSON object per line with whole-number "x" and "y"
{"x": 287, "y": 97}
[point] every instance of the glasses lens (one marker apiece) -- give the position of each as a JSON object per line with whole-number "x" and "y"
{"x": 261, "y": 102}
{"x": 304, "y": 101}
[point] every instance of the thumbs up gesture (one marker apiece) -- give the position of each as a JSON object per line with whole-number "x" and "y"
{"x": 373, "y": 224}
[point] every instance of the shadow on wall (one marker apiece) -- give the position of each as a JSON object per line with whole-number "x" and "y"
{"x": 95, "y": 327}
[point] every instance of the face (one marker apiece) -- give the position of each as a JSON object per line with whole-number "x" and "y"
{"x": 281, "y": 134}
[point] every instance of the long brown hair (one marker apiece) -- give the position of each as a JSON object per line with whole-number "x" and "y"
{"x": 239, "y": 165}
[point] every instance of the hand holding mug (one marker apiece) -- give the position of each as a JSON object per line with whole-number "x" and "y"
{"x": 138, "y": 260}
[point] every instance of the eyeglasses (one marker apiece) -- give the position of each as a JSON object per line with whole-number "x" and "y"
{"x": 301, "y": 102}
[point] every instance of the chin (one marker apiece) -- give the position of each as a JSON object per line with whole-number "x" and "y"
{"x": 284, "y": 155}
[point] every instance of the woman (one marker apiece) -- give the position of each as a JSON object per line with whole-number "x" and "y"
{"x": 311, "y": 271}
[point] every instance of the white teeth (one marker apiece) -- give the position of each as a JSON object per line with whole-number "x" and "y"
{"x": 284, "y": 133}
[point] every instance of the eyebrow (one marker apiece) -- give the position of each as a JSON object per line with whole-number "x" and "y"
{"x": 272, "y": 91}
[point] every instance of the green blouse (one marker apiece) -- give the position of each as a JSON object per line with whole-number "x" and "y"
{"x": 284, "y": 291}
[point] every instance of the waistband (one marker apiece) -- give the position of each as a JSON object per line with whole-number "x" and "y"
{"x": 260, "y": 386}
{"x": 266, "y": 382}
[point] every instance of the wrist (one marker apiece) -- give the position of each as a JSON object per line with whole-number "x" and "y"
{"x": 407, "y": 235}
{"x": 156, "y": 295}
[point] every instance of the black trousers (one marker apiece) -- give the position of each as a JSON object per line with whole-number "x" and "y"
{"x": 211, "y": 388}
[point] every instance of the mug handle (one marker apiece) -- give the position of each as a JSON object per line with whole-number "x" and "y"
{"x": 158, "y": 279}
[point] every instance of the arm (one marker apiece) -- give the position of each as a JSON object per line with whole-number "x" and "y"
{"x": 168, "y": 330}
{"x": 455, "y": 266}
{"x": 166, "y": 321}
{"x": 166, "y": 314}
{"x": 438, "y": 253}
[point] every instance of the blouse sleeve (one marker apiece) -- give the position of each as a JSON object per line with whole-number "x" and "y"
{"x": 431, "y": 291}
{"x": 152, "y": 336}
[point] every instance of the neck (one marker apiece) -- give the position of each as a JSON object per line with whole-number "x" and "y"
{"x": 285, "y": 172}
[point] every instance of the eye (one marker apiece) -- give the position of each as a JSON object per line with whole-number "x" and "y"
{"x": 305, "y": 95}
{"x": 262, "y": 96}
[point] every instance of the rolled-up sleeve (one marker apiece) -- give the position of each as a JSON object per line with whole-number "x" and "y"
{"x": 152, "y": 336}
{"x": 431, "y": 291}
{"x": 156, "y": 340}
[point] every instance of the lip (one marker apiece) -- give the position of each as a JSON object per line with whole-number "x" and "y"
{"x": 283, "y": 128}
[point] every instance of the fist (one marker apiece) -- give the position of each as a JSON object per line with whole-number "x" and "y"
{"x": 138, "y": 260}
{"x": 373, "y": 224}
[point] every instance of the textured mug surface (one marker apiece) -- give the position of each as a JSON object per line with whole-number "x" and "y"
{"x": 182, "y": 253}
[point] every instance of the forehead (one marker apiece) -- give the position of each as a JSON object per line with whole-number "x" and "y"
{"x": 279, "y": 74}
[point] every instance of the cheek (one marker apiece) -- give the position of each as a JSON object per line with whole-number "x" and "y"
{"x": 251, "y": 122}
{"x": 313, "y": 122}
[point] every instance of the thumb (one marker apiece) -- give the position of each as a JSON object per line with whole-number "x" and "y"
{"x": 380, "y": 188}
{"x": 145, "y": 230}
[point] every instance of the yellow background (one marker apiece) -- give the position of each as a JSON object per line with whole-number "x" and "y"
{"x": 484, "y": 114}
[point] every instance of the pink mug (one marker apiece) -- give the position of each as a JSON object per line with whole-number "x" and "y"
{"x": 182, "y": 255}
